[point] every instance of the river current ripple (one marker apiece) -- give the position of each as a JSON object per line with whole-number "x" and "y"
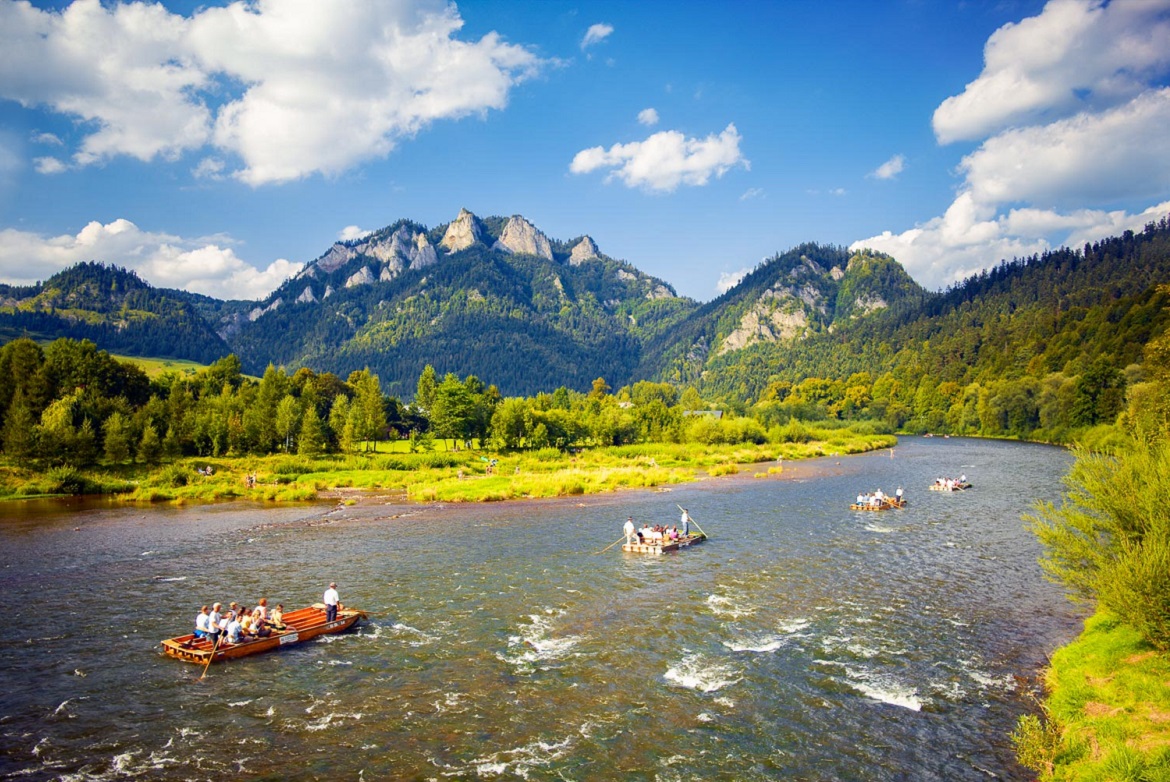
{"x": 803, "y": 641}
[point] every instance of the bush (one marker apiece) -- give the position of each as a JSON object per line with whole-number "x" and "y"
{"x": 1110, "y": 540}
{"x": 67, "y": 480}
{"x": 173, "y": 476}
{"x": 1036, "y": 741}
{"x": 792, "y": 432}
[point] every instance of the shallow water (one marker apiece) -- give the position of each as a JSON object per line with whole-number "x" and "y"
{"x": 802, "y": 641}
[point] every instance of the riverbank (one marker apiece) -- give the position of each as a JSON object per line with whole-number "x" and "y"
{"x": 446, "y": 476}
{"x": 1106, "y": 714}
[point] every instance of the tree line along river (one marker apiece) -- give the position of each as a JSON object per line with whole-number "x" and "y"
{"x": 802, "y": 641}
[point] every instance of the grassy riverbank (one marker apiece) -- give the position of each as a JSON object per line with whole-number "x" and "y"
{"x": 1107, "y": 710}
{"x": 439, "y": 475}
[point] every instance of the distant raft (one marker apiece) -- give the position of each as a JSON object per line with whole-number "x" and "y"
{"x": 300, "y": 625}
{"x": 661, "y": 547}
{"x": 950, "y": 486}
{"x": 885, "y": 504}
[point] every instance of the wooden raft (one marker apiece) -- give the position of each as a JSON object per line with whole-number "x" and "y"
{"x": 300, "y": 625}
{"x": 885, "y": 504}
{"x": 956, "y": 487}
{"x": 663, "y": 547}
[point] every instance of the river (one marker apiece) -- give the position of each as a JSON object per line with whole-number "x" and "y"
{"x": 803, "y": 641}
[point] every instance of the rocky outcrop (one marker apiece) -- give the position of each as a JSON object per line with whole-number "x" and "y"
{"x": 339, "y": 255}
{"x": 402, "y": 250}
{"x": 462, "y": 233}
{"x": 659, "y": 291}
{"x": 258, "y": 311}
{"x": 584, "y": 250}
{"x": 306, "y": 296}
{"x": 781, "y": 313}
{"x": 521, "y": 236}
{"x": 362, "y": 276}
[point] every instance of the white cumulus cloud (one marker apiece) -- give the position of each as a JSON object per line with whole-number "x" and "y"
{"x": 968, "y": 239}
{"x": 648, "y": 117}
{"x": 891, "y": 168}
{"x": 728, "y": 280}
{"x": 1076, "y": 55}
{"x": 1091, "y": 157}
{"x": 351, "y": 232}
{"x": 201, "y": 265}
{"x": 290, "y": 87}
{"x": 665, "y": 160}
{"x": 596, "y": 34}
{"x": 49, "y": 165}
{"x": 1072, "y": 118}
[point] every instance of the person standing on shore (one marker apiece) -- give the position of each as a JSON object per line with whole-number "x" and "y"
{"x": 331, "y": 600}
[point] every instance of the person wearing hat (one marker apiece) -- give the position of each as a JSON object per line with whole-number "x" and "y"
{"x": 331, "y": 600}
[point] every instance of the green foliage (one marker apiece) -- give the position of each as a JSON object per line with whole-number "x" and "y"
{"x": 1110, "y": 540}
{"x": 149, "y": 447}
{"x": 1037, "y": 740}
{"x": 1104, "y": 717}
{"x": 114, "y": 308}
{"x": 117, "y": 440}
{"x": 68, "y": 480}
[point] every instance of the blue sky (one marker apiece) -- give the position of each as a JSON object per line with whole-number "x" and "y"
{"x": 218, "y": 147}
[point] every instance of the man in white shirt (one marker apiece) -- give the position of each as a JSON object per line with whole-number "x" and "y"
{"x": 201, "y": 623}
{"x": 213, "y": 620}
{"x": 629, "y": 530}
{"x": 331, "y": 601}
{"x": 233, "y": 629}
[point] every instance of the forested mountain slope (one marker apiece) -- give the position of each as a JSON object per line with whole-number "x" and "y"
{"x": 1041, "y": 342}
{"x": 789, "y": 300}
{"x": 493, "y": 297}
{"x": 113, "y": 308}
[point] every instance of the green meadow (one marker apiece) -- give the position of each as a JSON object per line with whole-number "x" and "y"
{"x": 445, "y": 474}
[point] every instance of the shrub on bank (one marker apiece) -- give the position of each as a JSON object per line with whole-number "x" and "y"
{"x": 1110, "y": 540}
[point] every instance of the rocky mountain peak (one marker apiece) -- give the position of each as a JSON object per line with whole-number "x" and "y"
{"x": 521, "y": 236}
{"x": 463, "y": 232}
{"x": 584, "y": 250}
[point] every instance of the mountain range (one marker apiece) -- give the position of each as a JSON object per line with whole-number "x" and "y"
{"x": 497, "y": 298}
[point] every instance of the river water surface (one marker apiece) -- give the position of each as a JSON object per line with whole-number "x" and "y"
{"x": 803, "y": 641}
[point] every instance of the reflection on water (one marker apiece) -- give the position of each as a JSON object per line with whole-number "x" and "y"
{"x": 803, "y": 641}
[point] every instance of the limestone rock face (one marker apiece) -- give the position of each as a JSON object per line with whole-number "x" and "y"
{"x": 659, "y": 291}
{"x": 782, "y": 312}
{"x": 362, "y": 276}
{"x": 462, "y": 233}
{"x": 258, "y": 311}
{"x": 339, "y": 255}
{"x": 868, "y": 303}
{"x": 584, "y": 250}
{"x": 521, "y": 236}
{"x": 424, "y": 252}
{"x": 306, "y": 296}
